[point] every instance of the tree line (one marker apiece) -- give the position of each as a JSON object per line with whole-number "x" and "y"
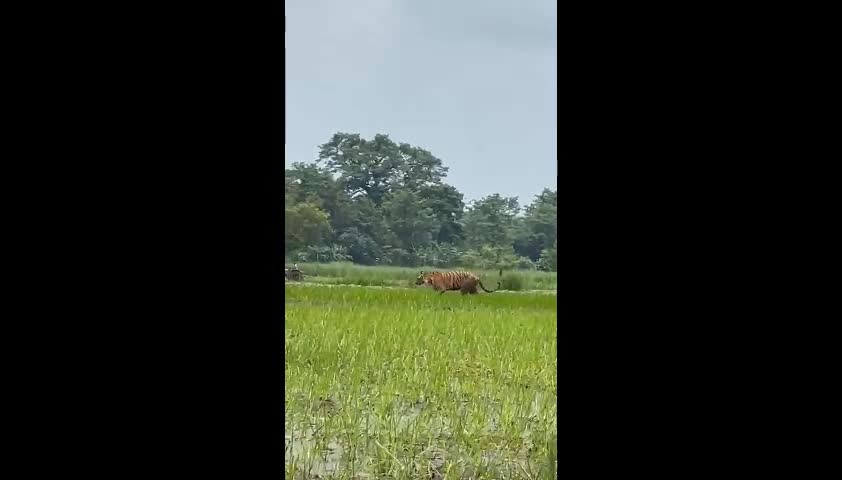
{"x": 377, "y": 202}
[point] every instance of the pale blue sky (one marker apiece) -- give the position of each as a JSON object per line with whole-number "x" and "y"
{"x": 472, "y": 81}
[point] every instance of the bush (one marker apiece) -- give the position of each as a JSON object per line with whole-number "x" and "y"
{"x": 549, "y": 259}
{"x": 525, "y": 263}
{"x": 513, "y": 281}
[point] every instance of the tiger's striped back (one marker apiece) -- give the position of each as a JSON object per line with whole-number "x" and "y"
{"x": 444, "y": 281}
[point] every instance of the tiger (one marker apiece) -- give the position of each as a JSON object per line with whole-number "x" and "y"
{"x": 466, "y": 282}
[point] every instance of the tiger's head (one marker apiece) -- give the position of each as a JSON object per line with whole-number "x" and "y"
{"x": 422, "y": 279}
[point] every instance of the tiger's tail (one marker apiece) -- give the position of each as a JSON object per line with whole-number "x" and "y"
{"x": 499, "y": 284}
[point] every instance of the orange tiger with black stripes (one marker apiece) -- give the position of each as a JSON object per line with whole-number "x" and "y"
{"x": 465, "y": 282}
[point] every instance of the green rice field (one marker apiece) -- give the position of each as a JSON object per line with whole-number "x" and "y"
{"x": 404, "y": 383}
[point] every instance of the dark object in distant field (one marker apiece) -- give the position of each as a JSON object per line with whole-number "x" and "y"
{"x": 293, "y": 274}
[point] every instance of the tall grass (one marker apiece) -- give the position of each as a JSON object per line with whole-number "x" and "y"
{"x": 346, "y": 273}
{"x": 405, "y": 384}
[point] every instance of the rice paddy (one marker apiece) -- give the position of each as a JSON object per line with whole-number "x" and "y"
{"x": 404, "y": 383}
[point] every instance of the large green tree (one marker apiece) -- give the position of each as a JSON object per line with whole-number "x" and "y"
{"x": 536, "y": 231}
{"x": 309, "y": 183}
{"x": 368, "y": 232}
{"x": 361, "y": 248}
{"x": 491, "y": 221}
{"x": 409, "y": 221}
{"x": 305, "y": 225}
{"x": 368, "y": 219}
{"x": 447, "y": 206}
{"x": 375, "y": 168}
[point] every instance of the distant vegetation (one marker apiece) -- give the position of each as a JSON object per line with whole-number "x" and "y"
{"x": 377, "y": 202}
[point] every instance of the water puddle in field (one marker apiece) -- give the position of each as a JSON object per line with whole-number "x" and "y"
{"x": 310, "y": 453}
{"x": 319, "y": 455}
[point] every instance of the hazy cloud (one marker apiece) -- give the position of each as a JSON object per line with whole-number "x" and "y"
{"x": 472, "y": 81}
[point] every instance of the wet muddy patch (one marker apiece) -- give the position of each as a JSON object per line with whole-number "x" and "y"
{"x": 416, "y": 439}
